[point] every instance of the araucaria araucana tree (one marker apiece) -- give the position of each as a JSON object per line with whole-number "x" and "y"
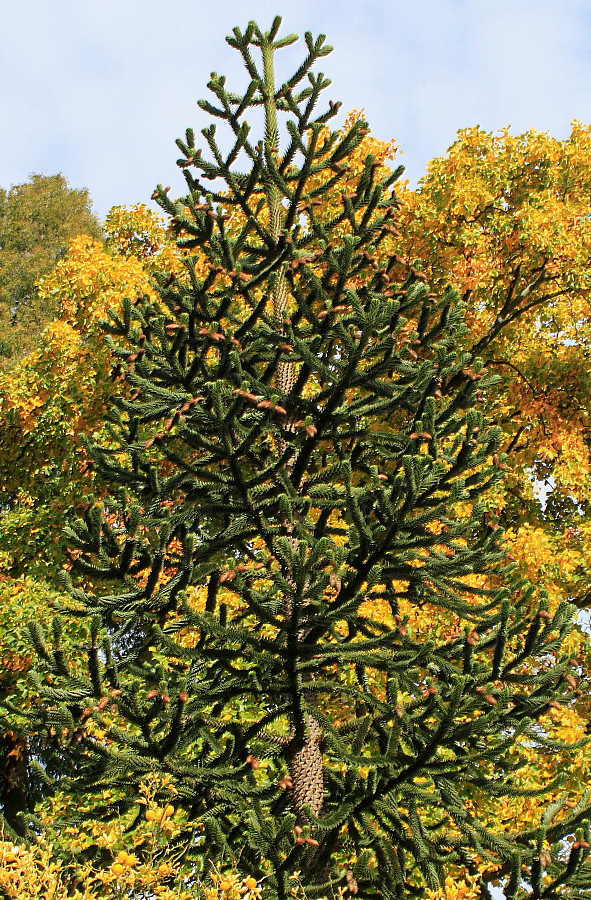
{"x": 305, "y": 618}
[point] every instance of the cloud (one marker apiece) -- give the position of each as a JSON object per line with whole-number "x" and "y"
{"x": 100, "y": 90}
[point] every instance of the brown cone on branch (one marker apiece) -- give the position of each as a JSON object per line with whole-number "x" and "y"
{"x": 306, "y": 768}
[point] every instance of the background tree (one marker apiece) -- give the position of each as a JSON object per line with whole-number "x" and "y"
{"x": 309, "y": 626}
{"x": 504, "y": 219}
{"x": 51, "y": 397}
{"x": 57, "y": 393}
{"x": 37, "y": 221}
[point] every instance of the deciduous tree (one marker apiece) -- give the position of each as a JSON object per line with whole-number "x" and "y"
{"x": 504, "y": 219}
{"x": 50, "y": 399}
{"x": 37, "y": 221}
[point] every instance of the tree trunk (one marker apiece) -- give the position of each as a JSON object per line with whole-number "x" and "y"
{"x": 14, "y": 786}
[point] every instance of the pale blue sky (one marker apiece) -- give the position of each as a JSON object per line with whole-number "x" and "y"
{"x": 99, "y": 89}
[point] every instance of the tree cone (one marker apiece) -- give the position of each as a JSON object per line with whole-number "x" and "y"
{"x": 285, "y": 376}
{"x": 306, "y": 769}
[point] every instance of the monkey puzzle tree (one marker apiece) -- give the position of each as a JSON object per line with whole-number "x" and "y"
{"x": 306, "y": 624}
